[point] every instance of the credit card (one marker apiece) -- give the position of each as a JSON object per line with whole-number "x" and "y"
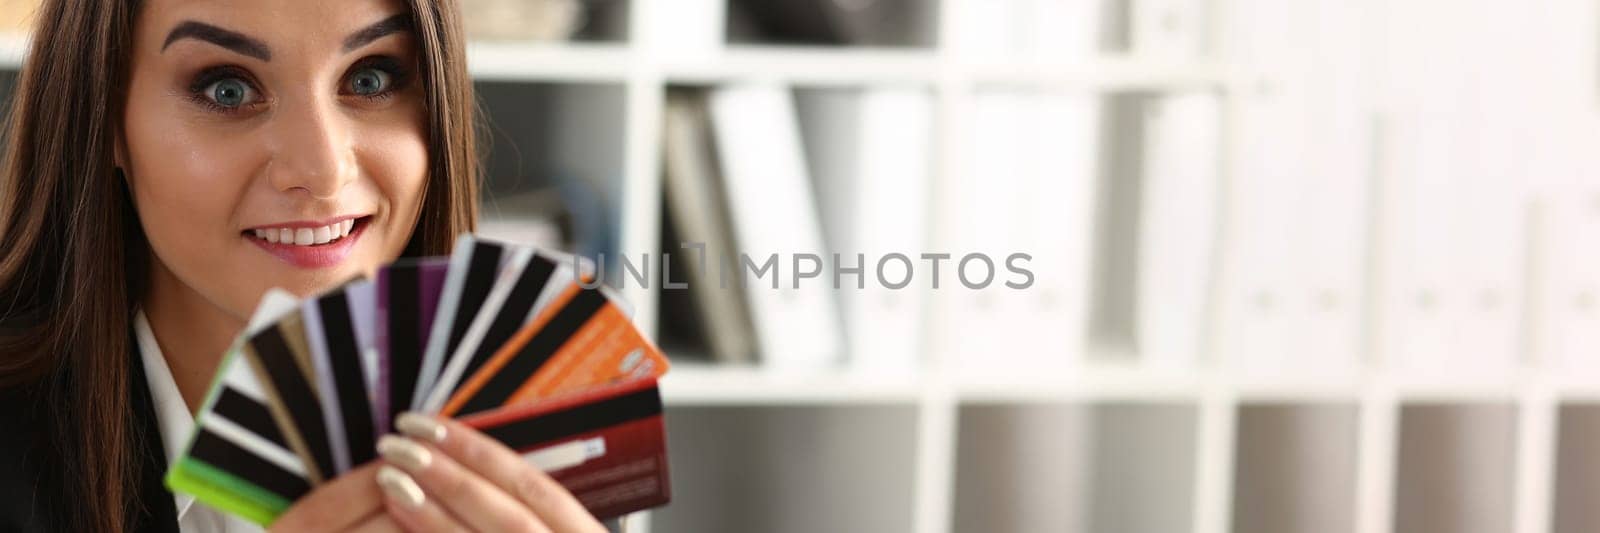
{"x": 336, "y": 357}
{"x": 582, "y": 340}
{"x": 606, "y": 445}
{"x": 282, "y": 364}
{"x": 408, "y": 295}
{"x": 237, "y": 459}
{"x": 474, "y": 267}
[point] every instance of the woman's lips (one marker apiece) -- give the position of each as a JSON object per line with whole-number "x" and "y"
{"x": 282, "y": 243}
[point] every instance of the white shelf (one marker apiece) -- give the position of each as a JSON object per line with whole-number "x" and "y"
{"x": 801, "y": 66}
{"x": 805, "y": 66}
{"x": 551, "y": 62}
{"x": 1109, "y": 73}
{"x": 816, "y": 66}
{"x": 712, "y": 384}
{"x": 1078, "y": 385}
{"x": 688, "y": 385}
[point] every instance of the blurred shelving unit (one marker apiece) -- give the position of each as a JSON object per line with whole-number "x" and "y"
{"x": 710, "y": 385}
{"x": 1207, "y": 440}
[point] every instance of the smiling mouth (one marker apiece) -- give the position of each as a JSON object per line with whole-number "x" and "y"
{"x": 308, "y": 237}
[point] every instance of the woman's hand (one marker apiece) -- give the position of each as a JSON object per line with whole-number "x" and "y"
{"x": 451, "y": 477}
{"x": 351, "y": 503}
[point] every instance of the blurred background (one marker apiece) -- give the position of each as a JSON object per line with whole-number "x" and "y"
{"x": 1315, "y": 266}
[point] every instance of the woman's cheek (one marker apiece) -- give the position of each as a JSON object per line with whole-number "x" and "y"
{"x": 396, "y": 160}
{"x": 193, "y": 186}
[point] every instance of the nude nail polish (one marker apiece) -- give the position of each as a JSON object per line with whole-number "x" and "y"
{"x": 405, "y": 452}
{"x": 420, "y": 426}
{"x": 400, "y": 487}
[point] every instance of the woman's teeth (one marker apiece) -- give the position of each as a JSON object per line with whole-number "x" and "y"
{"x": 307, "y": 236}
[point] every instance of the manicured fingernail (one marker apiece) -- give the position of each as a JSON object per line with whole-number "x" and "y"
{"x": 420, "y": 426}
{"x": 404, "y": 452}
{"x": 400, "y": 487}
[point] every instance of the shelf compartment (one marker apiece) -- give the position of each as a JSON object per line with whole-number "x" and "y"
{"x": 1577, "y": 469}
{"x": 554, "y": 169}
{"x": 885, "y": 23}
{"x": 1455, "y": 467}
{"x": 1074, "y": 467}
{"x": 790, "y": 469}
{"x": 1294, "y": 468}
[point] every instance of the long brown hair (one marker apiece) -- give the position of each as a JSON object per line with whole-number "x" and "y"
{"x": 73, "y": 257}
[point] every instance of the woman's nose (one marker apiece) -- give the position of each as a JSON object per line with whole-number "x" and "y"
{"x": 315, "y": 150}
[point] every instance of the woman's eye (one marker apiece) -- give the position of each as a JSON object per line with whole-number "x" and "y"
{"x": 369, "y": 82}
{"x": 229, "y": 92}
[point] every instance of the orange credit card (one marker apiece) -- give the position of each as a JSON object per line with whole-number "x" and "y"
{"x": 581, "y": 340}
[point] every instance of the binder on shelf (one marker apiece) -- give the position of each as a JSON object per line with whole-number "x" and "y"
{"x": 1028, "y": 188}
{"x": 686, "y": 29}
{"x": 1292, "y": 297}
{"x": 1058, "y": 30}
{"x": 523, "y": 20}
{"x": 1567, "y": 299}
{"x": 775, "y": 222}
{"x": 1338, "y": 133}
{"x": 989, "y": 28}
{"x": 1293, "y": 285}
{"x": 1452, "y": 254}
{"x": 981, "y": 326}
{"x": 1264, "y": 297}
{"x": 872, "y": 151}
{"x": 1043, "y": 30}
{"x": 1061, "y": 184}
{"x": 1177, "y": 227}
{"x": 699, "y": 214}
{"x": 1169, "y": 28}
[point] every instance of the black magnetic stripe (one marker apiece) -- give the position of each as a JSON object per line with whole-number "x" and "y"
{"x": 344, "y": 358}
{"x": 523, "y": 433}
{"x": 481, "y": 270}
{"x": 405, "y": 352}
{"x": 298, "y": 398}
{"x": 223, "y": 454}
{"x": 247, "y": 413}
{"x": 514, "y": 312}
{"x": 533, "y": 355}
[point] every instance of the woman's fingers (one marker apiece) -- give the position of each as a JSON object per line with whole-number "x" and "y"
{"x": 504, "y": 468}
{"x": 410, "y": 507}
{"x": 435, "y": 479}
{"x": 336, "y": 505}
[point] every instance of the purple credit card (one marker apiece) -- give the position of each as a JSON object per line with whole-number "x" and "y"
{"x": 408, "y": 296}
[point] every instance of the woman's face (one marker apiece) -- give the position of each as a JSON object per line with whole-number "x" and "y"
{"x": 273, "y": 143}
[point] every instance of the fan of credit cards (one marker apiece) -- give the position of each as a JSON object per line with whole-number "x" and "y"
{"x": 507, "y": 339}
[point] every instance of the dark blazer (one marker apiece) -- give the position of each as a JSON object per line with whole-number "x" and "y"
{"x": 31, "y": 474}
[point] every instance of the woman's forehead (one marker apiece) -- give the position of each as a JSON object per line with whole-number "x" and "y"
{"x": 273, "y": 23}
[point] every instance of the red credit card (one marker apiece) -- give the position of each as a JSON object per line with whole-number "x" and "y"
{"x": 606, "y": 445}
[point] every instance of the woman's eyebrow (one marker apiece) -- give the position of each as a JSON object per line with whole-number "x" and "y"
{"x": 229, "y": 39}
{"x": 393, "y": 24}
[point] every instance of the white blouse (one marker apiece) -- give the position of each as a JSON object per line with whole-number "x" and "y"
{"x": 176, "y": 424}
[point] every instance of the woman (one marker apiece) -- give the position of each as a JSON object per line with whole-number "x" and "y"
{"x": 167, "y": 162}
